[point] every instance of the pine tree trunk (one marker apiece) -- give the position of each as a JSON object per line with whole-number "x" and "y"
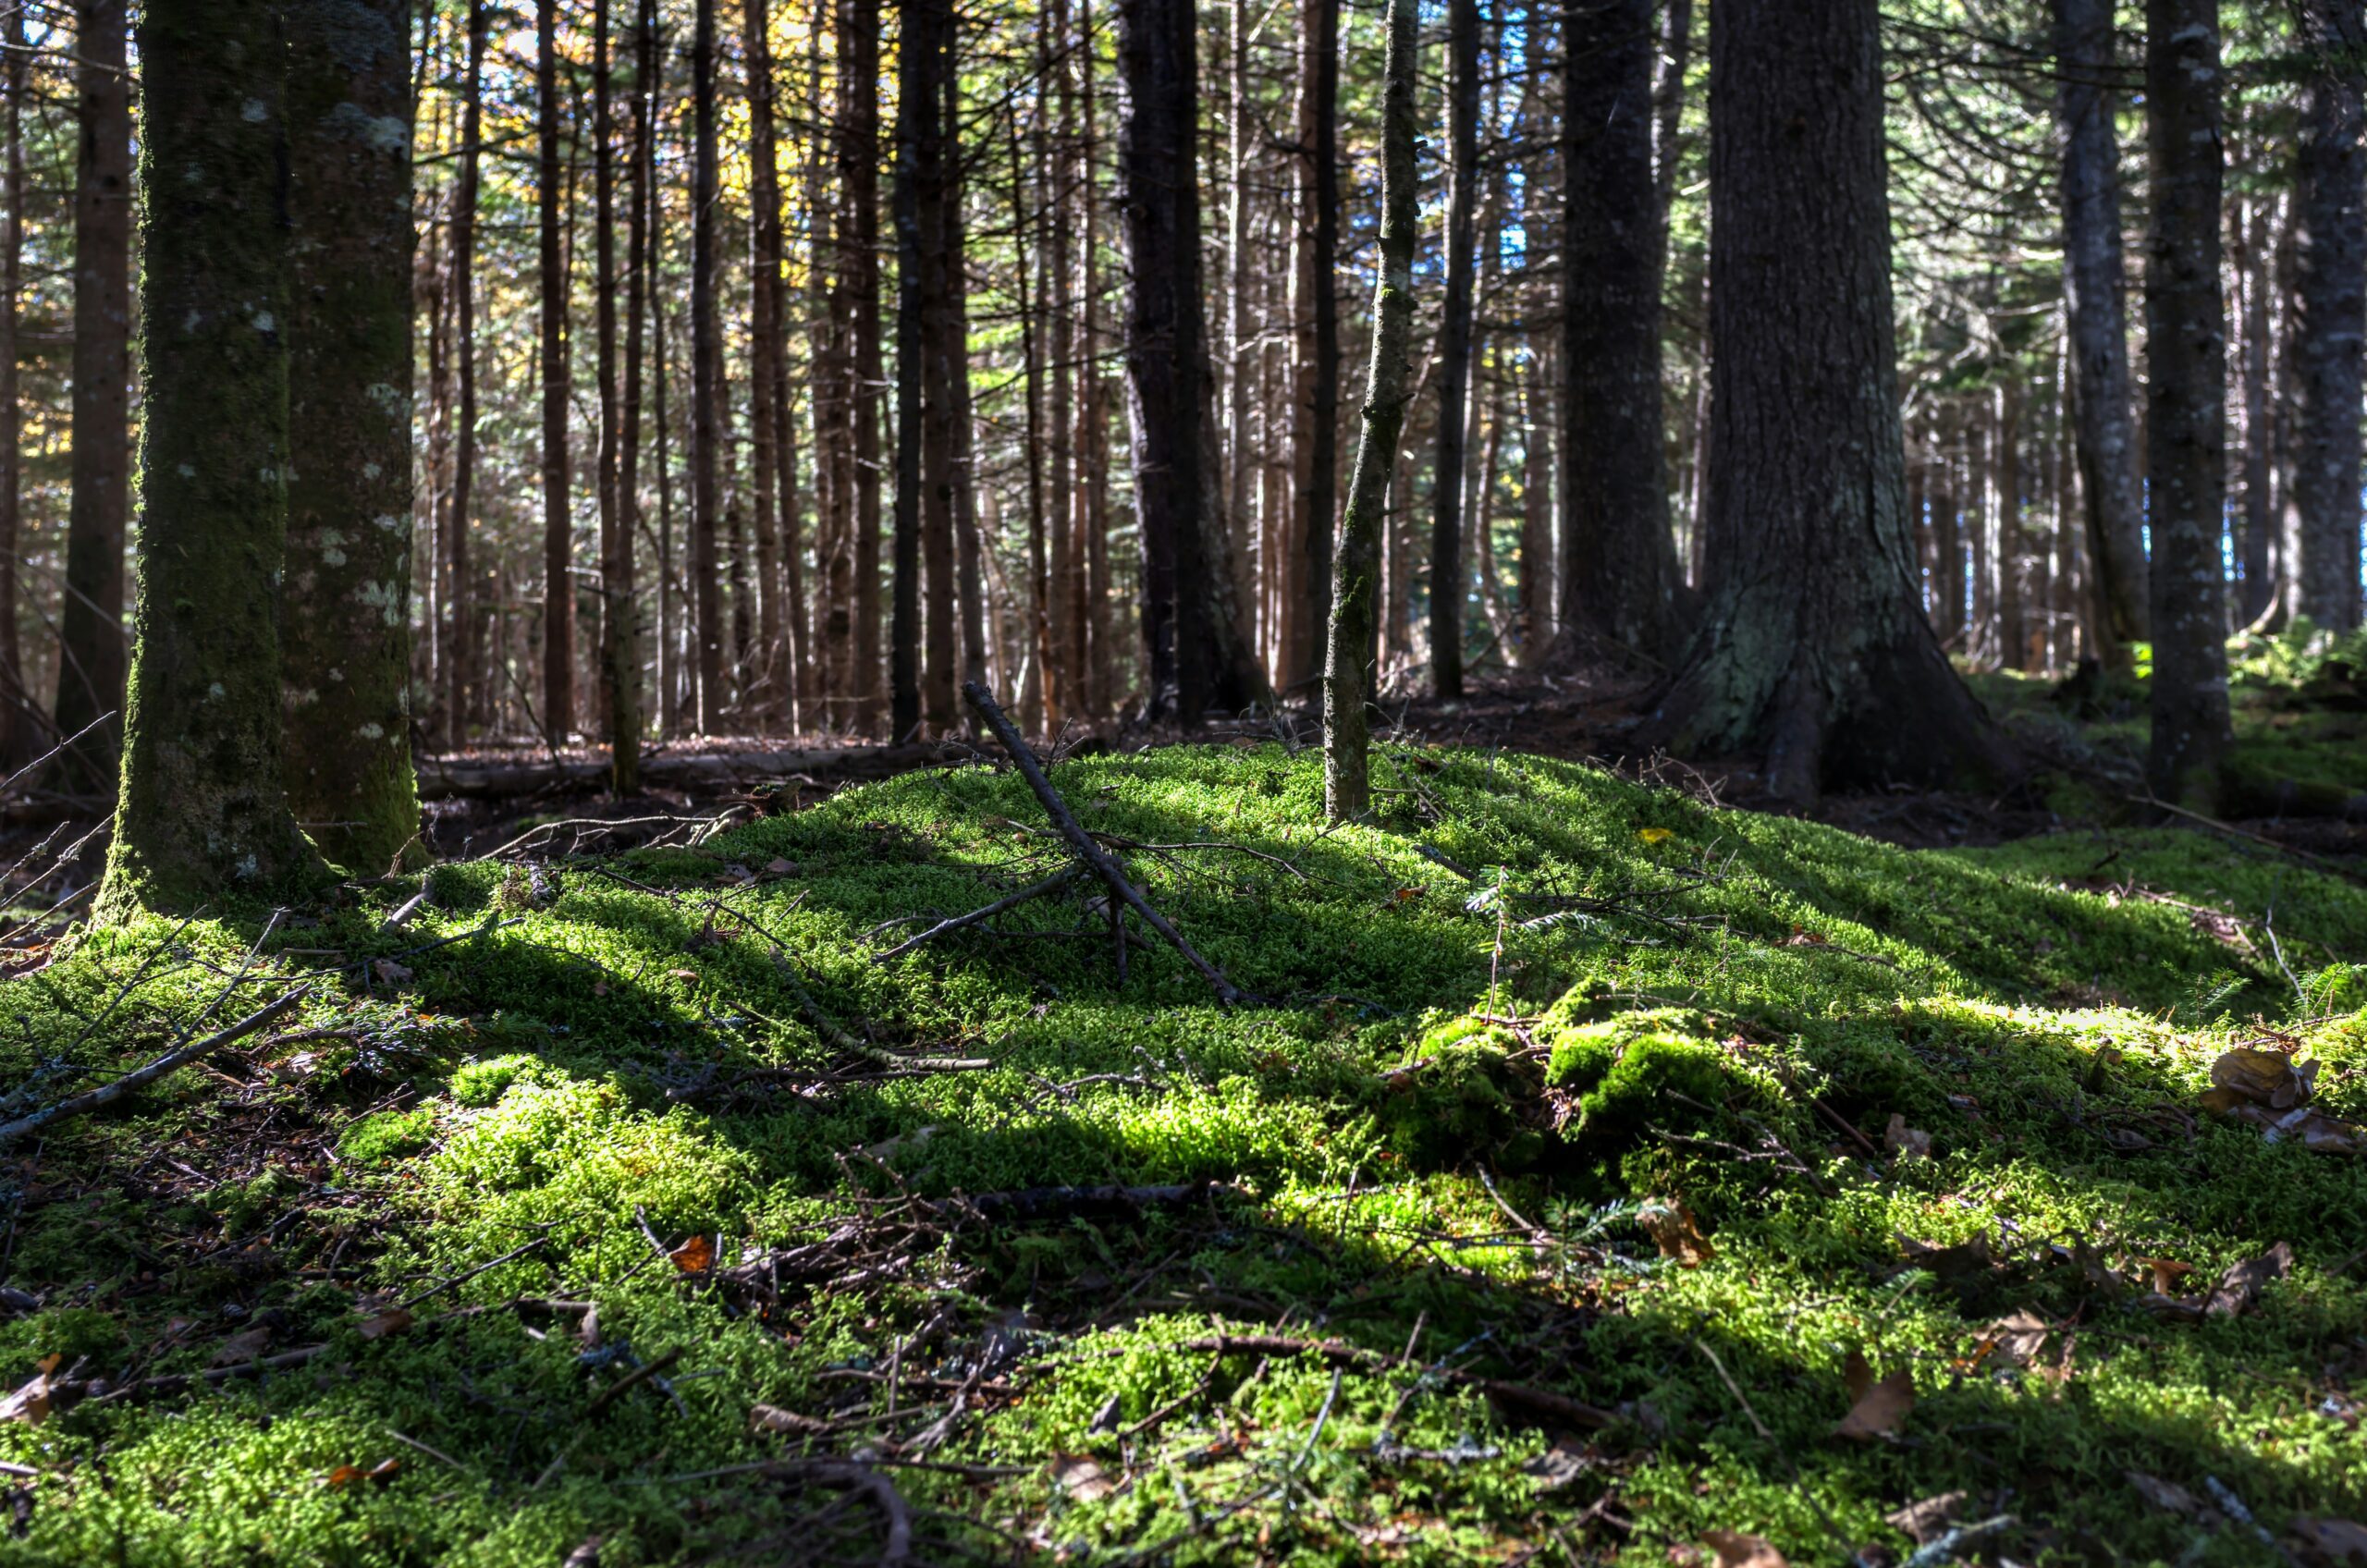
{"x": 2186, "y": 391}
{"x": 1454, "y": 355}
{"x": 709, "y": 630}
{"x": 916, "y": 110}
{"x": 2095, "y": 294}
{"x": 859, "y": 175}
{"x": 2259, "y": 455}
{"x": 346, "y": 632}
{"x": 2331, "y": 299}
{"x": 1347, "y": 686}
{"x": 773, "y": 483}
{"x": 1093, "y": 588}
{"x": 202, "y": 816}
{"x": 1620, "y": 576}
{"x": 1316, "y": 398}
{"x": 2013, "y": 565}
{"x": 558, "y": 588}
{"x": 462, "y": 661}
{"x": 621, "y": 624}
{"x": 91, "y": 636}
{"x": 1811, "y": 650}
{"x": 1064, "y": 651}
{"x": 1038, "y": 636}
{"x": 18, "y": 721}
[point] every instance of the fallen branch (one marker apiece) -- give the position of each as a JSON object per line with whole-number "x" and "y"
{"x": 451, "y": 778}
{"x": 1081, "y": 843}
{"x": 1035, "y": 1203}
{"x": 830, "y": 1030}
{"x": 139, "y": 1077}
{"x": 1049, "y": 885}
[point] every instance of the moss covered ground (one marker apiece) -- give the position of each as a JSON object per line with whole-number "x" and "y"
{"x": 1780, "y": 1179}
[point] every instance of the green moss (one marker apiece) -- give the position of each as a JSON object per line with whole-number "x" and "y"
{"x": 390, "y": 1135}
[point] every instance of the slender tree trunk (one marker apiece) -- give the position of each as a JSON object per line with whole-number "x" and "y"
{"x": 2331, "y": 299}
{"x": 1038, "y": 639}
{"x": 460, "y": 640}
{"x": 18, "y": 721}
{"x": 1315, "y": 434}
{"x": 559, "y": 587}
{"x": 91, "y": 637}
{"x": 1454, "y": 367}
{"x": 2185, "y": 392}
{"x": 939, "y": 262}
{"x": 917, "y": 104}
{"x": 202, "y": 815}
{"x": 859, "y": 173}
{"x": 2095, "y": 291}
{"x": 1093, "y": 587}
{"x": 2013, "y": 566}
{"x": 766, "y": 346}
{"x": 969, "y": 551}
{"x": 1668, "y": 118}
{"x": 1536, "y": 577}
{"x": 1620, "y": 576}
{"x": 622, "y": 623}
{"x": 707, "y": 384}
{"x": 2258, "y": 448}
{"x": 346, "y": 632}
{"x": 1346, "y": 675}
{"x": 1812, "y": 648}
{"x": 1240, "y": 463}
{"x": 1064, "y": 652}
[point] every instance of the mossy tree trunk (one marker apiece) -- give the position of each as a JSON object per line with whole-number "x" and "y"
{"x": 90, "y": 642}
{"x": 1813, "y": 649}
{"x": 2186, "y": 405}
{"x": 1356, "y": 569}
{"x": 346, "y": 632}
{"x": 202, "y": 814}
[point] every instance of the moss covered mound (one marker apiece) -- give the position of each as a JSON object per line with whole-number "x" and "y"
{"x": 1685, "y": 1128}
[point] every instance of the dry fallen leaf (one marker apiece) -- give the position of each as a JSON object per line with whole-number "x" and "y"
{"x": 2240, "y": 1286}
{"x": 2269, "y": 1078}
{"x": 29, "y": 1403}
{"x": 1673, "y": 1229}
{"x": 241, "y": 1347}
{"x": 773, "y": 1418}
{"x": 1082, "y": 1479}
{"x": 1803, "y": 938}
{"x": 1948, "y": 1262}
{"x": 1912, "y": 1141}
{"x": 782, "y": 867}
{"x": 2017, "y": 1339}
{"x": 2329, "y": 1541}
{"x": 1558, "y": 1467}
{"x": 393, "y": 974}
{"x": 1920, "y": 1522}
{"x": 386, "y": 1324}
{"x": 1879, "y": 1409}
{"x": 1735, "y": 1550}
{"x": 693, "y": 1256}
{"x": 2168, "y": 1495}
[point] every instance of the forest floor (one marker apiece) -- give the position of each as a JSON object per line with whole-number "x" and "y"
{"x": 1594, "y": 1172}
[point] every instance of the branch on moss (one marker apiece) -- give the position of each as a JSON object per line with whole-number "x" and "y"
{"x": 139, "y": 1077}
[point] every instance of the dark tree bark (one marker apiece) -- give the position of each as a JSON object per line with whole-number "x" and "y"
{"x": 90, "y": 640}
{"x": 932, "y": 36}
{"x": 558, "y": 588}
{"x": 1063, "y": 616}
{"x": 2185, "y": 392}
{"x": 1315, "y": 431}
{"x": 918, "y": 104}
{"x": 764, "y": 343}
{"x": 461, "y": 637}
{"x": 347, "y": 631}
{"x": 859, "y": 175}
{"x": 620, "y": 720}
{"x": 1347, "y": 686}
{"x": 2012, "y": 567}
{"x": 202, "y": 816}
{"x": 621, "y": 621}
{"x": 1454, "y": 348}
{"x": 707, "y": 384}
{"x": 1620, "y": 576}
{"x": 1192, "y": 634}
{"x": 17, "y": 720}
{"x": 1813, "y": 649}
{"x": 2331, "y": 302}
{"x": 1668, "y": 108}
{"x": 2095, "y": 295}
{"x": 1039, "y": 637}
{"x": 2258, "y": 511}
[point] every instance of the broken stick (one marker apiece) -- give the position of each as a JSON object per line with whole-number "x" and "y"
{"x": 1081, "y": 843}
{"x": 106, "y": 1094}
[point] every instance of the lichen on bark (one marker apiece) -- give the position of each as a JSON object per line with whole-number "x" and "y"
{"x": 202, "y": 814}
{"x": 347, "y": 634}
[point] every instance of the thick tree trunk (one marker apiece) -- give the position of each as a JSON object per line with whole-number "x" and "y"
{"x": 91, "y": 640}
{"x": 1455, "y": 354}
{"x": 559, "y": 587}
{"x": 2185, "y": 392}
{"x": 346, "y": 640}
{"x": 2331, "y": 300}
{"x": 2095, "y": 294}
{"x": 202, "y": 816}
{"x": 18, "y": 723}
{"x": 1347, "y": 790}
{"x": 1620, "y": 576}
{"x": 709, "y": 630}
{"x": 1315, "y": 433}
{"x": 1813, "y": 649}
{"x": 1192, "y": 632}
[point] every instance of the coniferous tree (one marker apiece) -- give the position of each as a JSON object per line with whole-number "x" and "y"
{"x": 559, "y": 524}
{"x": 2330, "y": 301}
{"x": 1454, "y": 349}
{"x": 18, "y": 725}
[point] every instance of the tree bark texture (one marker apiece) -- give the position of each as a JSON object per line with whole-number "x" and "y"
{"x": 1620, "y": 576}
{"x": 1454, "y": 348}
{"x": 2185, "y": 408}
{"x": 202, "y": 814}
{"x": 1813, "y": 649}
{"x": 559, "y": 587}
{"x": 916, "y": 110}
{"x": 707, "y": 384}
{"x": 346, "y": 637}
{"x": 1347, "y": 790}
{"x": 2330, "y": 298}
{"x": 17, "y": 720}
{"x": 1315, "y": 434}
{"x": 774, "y": 483}
{"x": 460, "y": 642}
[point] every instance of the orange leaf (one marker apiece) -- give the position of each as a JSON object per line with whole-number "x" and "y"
{"x": 344, "y": 1476}
{"x": 693, "y": 1256}
{"x": 386, "y": 1324}
{"x": 1678, "y": 1234}
{"x": 1881, "y": 1408}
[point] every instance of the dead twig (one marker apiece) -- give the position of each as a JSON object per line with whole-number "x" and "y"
{"x": 832, "y": 1030}
{"x": 139, "y": 1077}
{"x": 1049, "y": 885}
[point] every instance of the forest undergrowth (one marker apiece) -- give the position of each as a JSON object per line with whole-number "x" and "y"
{"x": 1592, "y": 1175}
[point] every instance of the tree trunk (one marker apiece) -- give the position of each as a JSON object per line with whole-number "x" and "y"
{"x": 969, "y": 550}
{"x": 345, "y": 640}
{"x": 707, "y": 385}
{"x": 1813, "y": 649}
{"x": 558, "y": 588}
{"x": 2331, "y": 300}
{"x": 1536, "y": 576}
{"x": 1620, "y": 576}
{"x": 1192, "y": 639}
{"x": 202, "y": 815}
{"x": 2013, "y": 566}
{"x": 2259, "y": 450}
{"x": 1039, "y": 637}
{"x": 18, "y": 721}
{"x": 621, "y": 623}
{"x": 91, "y": 637}
{"x": 1454, "y": 355}
{"x": 917, "y": 105}
{"x": 1347, "y": 790}
{"x": 461, "y": 662}
{"x": 1093, "y": 407}
{"x": 2186, "y": 391}
{"x": 859, "y": 175}
{"x": 774, "y": 484}
{"x": 1315, "y": 433}
{"x": 2096, "y": 296}
{"x": 1668, "y": 110}
{"x": 1064, "y": 652}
